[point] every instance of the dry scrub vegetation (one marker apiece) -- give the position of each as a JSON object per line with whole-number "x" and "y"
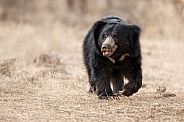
{"x": 42, "y": 77}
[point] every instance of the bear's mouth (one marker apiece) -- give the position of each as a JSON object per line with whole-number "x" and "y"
{"x": 108, "y": 52}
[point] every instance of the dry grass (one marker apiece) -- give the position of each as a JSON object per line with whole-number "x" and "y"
{"x": 7, "y": 67}
{"x": 43, "y": 79}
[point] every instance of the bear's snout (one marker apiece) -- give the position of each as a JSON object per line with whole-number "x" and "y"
{"x": 108, "y": 43}
{"x": 108, "y": 46}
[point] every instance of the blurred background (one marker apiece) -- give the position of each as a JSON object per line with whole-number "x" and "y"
{"x": 160, "y": 19}
{"x": 42, "y": 75}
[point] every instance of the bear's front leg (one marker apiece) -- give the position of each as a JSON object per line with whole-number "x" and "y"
{"x": 102, "y": 77}
{"x": 117, "y": 81}
{"x": 135, "y": 82}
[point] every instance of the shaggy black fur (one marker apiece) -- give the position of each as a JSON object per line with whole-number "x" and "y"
{"x": 101, "y": 70}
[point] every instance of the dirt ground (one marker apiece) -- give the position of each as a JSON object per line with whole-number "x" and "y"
{"x": 43, "y": 79}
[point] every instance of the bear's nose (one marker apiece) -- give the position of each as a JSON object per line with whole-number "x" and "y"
{"x": 105, "y": 46}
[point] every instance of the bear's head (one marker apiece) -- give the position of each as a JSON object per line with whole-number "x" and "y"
{"x": 114, "y": 39}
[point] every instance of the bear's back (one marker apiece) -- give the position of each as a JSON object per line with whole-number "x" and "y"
{"x": 112, "y": 19}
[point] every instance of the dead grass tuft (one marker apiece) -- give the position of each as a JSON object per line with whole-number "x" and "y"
{"x": 52, "y": 62}
{"x": 47, "y": 60}
{"x": 161, "y": 89}
{"x": 169, "y": 95}
{"x": 7, "y": 67}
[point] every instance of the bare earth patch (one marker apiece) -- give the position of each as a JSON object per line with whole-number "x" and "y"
{"x": 43, "y": 79}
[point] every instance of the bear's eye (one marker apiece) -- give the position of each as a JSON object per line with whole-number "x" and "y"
{"x": 115, "y": 37}
{"x": 105, "y": 36}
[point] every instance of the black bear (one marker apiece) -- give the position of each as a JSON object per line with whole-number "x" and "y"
{"x": 112, "y": 52}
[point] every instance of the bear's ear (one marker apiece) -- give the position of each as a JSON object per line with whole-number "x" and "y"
{"x": 97, "y": 29}
{"x": 134, "y": 35}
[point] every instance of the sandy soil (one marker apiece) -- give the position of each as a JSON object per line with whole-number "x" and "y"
{"x": 43, "y": 79}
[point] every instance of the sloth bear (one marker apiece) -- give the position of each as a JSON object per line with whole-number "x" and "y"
{"x": 111, "y": 52}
